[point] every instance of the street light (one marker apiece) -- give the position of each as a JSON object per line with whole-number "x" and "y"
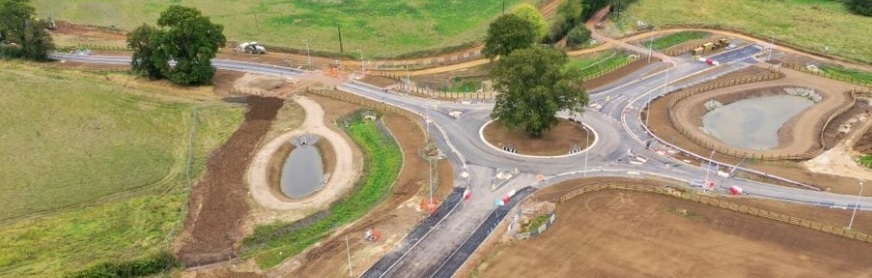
{"x": 361, "y": 62}
{"x": 708, "y": 167}
{"x": 308, "y": 57}
{"x": 650, "y": 44}
{"x": 587, "y": 148}
{"x": 771, "y": 46}
{"x": 855, "y": 206}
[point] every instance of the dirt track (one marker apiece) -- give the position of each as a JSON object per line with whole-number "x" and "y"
{"x": 217, "y": 206}
{"x": 630, "y": 234}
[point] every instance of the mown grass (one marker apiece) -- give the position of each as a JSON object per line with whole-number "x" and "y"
{"x": 675, "y": 39}
{"x": 269, "y": 245}
{"x": 95, "y": 169}
{"x": 592, "y": 67}
{"x": 809, "y": 24}
{"x": 379, "y": 27}
{"x": 842, "y": 73}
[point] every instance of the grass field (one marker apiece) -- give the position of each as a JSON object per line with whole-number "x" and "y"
{"x": 675, "y": 39}
{"x": 809, "y": 24}
{"x": 848, "y": 74}
{"x": 71, "y": 140}
{"x": 379, "y": 27}
{"x": 269, "y": 246}
{"x": 594, "y": 66}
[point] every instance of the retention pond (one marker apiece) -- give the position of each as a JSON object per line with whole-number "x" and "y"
{"x": 753, "y": 123}
{"x": 303, "y": 171}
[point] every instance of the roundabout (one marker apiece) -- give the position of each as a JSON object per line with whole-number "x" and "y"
{"x": 567, "y": 138}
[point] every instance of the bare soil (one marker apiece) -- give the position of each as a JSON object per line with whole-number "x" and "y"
{"x": 663, "y": 128}
{"x": 623, "y": 234}
{"x": 611, "y": 77}
{"x": 558, "y": 141}
{"x": 217, "y": 206}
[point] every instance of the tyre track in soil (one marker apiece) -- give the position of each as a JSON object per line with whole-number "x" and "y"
{"x": 217, "y": 206}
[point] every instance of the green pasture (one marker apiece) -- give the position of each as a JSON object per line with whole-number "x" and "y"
{"x": 808, "y": 24}
{"x": 381, "y": 28}
{"x": 92, "y": 170}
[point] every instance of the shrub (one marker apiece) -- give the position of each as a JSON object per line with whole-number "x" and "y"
{"x": 577, "y": 36}
{"x": 860, "y": 7}
{"x": 154, "y": 264}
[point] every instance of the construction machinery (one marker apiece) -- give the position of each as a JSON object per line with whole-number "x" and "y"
{"x": 250, "y": 47}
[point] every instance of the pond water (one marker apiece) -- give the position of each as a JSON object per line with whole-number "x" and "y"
{"x": 753, "y": 123}
{"x": 303, "y": 172}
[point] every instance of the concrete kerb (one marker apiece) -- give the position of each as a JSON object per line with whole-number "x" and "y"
{"x": 648, "y": 131}
{"x": 441, "y": 130}
{"x": 586, "y": 149}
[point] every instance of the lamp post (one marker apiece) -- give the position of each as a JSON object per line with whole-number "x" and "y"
{"x": 650, "y": 44}
{"x": 308, "y": 56}
{"x": 708, "y": 167}
{"x": 587, "y": 148}
{"x": 771, "y": 46}
{"x": 850, "y": 224}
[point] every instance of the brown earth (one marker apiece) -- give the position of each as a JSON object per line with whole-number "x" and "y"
{"x": 622, "y": 234}
{"x": 611, "y": 77}
{"x": 557, "y": 141}
{"x": 662, "y": 127}
{"x": 217, "y": 206}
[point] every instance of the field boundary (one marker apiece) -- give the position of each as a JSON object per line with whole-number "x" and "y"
{"x": 712, "y": 201}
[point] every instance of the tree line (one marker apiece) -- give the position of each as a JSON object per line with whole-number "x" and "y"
{"x": 22, "y": 34}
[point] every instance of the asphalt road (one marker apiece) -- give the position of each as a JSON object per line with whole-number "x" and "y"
{"x": 435, "y": 247}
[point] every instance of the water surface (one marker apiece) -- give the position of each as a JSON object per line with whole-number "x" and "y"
{"x": 753, "y": 123}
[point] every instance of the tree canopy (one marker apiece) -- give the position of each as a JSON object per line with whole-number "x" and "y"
{"x": 528, "y": 12}
{"x": 533, "y": 87}
{"x": 185, "y": 37}
{"x": 860, "y": 7}
{"x": 508, "y": 33}
{"x": 19, "y": 26}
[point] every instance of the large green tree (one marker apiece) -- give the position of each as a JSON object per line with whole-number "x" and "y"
{"x": 19, "y": 25}
{"x": 528, "y": 12}
{"x": 143, "y": 61}
{"x": 533, "y": 87}
{"x": 860, "y": 7}
{"x": 181, "y": 50}
{"x": 508, "y": 33}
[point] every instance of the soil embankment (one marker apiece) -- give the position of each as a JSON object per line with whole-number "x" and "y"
{"x": 217, "y": 206}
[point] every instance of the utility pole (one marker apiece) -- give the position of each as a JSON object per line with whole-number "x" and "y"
{"x": 348, "y": 251}
{"x": 851, "y": 224}
{"x": 339, "y": 28}
{"x": 308, "y": 56}
{"x": 256, "y": 23}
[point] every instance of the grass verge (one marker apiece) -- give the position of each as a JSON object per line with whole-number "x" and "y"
{"x": 95, "y": 169}
{"x": 808, "y": 24}
{"x": 850, "y": 75}
{"x": 598, "y": 65}
{"x": 676, "y": 39}
{"x": 866, "y": 160}
{"x": 271, "y": 244}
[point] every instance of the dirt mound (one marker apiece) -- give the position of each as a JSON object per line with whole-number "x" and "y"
{"x": 557, "y": 141}
{"x": 217, "y": 206}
